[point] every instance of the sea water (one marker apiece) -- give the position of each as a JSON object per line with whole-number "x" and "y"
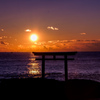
{"x": 86, "y": 65}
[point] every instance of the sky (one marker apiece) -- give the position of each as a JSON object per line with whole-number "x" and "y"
{"x": 60, "y": 25}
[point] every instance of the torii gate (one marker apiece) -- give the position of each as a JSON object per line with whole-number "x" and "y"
{"x": 54, "y": 54}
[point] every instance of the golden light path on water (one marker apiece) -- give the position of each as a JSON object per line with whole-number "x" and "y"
{"x": 34, "y": 69}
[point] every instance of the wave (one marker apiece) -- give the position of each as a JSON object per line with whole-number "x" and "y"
{"x": 56, "y": 76}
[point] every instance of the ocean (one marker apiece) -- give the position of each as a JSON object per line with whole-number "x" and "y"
{"x": 86, "y": 65}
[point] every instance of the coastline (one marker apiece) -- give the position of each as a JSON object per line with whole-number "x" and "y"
{"x": 76, "y": 89}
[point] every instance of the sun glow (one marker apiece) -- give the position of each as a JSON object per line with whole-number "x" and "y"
{"x": 33, "y": 37}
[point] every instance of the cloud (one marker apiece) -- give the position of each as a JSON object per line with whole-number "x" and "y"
{"x": 2, "y": 29}
{"x": 54, "y": 46}
{"x": 15, "y": 39}
{"x": 4, "y": 36}
{"x": 62, "y": 46}
{"x": 20, "y": 46}
{"x": 56, "y": 29}
{"x": 83, "y": 33}
{"x": 0, "y": 38}
{"x": 27, "y": 30}
{"x": 52, "y": 28}
{"x": 72, "y": 45}
{"x": 4, "y": 43}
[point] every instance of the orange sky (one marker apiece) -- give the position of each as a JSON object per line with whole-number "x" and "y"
{"x": 61, "y": 25}
{"x": 23, "y": 43}
{"x": 27, "y": 45}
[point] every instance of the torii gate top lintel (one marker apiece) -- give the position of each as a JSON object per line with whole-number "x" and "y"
{"x": 54, "y": 54}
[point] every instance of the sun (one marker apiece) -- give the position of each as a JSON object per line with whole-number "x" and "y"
{"x": 33, "y": 37}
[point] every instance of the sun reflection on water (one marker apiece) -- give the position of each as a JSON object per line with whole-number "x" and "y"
{"x": 33, "y": 72}
{"x": 34, "y": 69}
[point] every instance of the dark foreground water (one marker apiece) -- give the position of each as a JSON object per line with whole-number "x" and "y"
{"x": 23, "y": 65}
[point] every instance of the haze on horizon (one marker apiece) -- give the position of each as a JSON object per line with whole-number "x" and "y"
{"x": 60, "y": 25}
